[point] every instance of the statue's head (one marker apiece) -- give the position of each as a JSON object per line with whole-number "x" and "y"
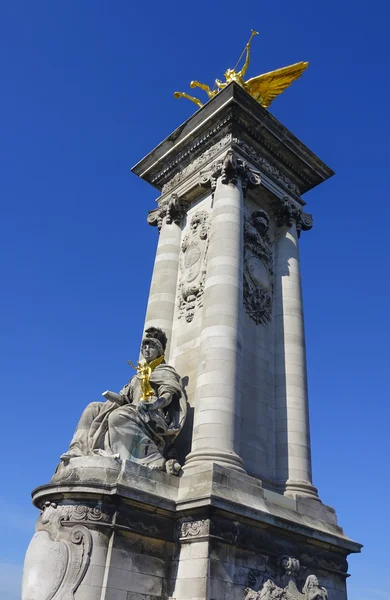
{"x": 311, "y": 582}
{"x": 154, "y": 344}
{"x": 260, "y": 221}
{"x": 229, "y": 75}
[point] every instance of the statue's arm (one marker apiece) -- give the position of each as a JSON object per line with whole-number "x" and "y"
{"x": 220, "y": 85}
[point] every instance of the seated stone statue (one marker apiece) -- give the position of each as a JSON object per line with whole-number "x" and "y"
{"x": 140, "y": 423}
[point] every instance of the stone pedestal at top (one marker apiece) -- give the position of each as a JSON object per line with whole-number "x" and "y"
{"x": 226, "y": 285}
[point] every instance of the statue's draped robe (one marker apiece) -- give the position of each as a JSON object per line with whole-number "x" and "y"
{"x": 120, "y": 429}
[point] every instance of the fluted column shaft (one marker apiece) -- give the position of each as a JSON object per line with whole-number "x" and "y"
{"x": 163, "y": 289}
{"x": 217, "y": 405}
{"x": 293, "y": 450}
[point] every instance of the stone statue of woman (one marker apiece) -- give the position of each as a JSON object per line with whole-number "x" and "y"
{"x": 313, "y": 590}
{"x": 128, "y": 425}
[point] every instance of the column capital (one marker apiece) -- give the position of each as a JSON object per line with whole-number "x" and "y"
{"x": 170, "y": 210}
{"x": 229, "y": 169}
{"x": 288, "y": 211}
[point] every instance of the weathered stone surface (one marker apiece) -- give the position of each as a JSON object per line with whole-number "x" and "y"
{"x": 244, "y": 520}
{"x": 150, "y": 534}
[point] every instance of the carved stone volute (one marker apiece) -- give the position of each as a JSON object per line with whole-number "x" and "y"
{"x": 287, "y": 212}
{"x": 59, "y": 553}
{"x": 230, "y": 169}
{"x": 171, "y": 210}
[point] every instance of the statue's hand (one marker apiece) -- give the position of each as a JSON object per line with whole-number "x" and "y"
{"x": 150, "y": 405}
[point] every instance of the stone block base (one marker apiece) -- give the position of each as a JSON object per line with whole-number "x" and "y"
{"x": 115, "y": 531}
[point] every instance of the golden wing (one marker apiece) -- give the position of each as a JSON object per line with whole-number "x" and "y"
{"x": 264, "y": 88}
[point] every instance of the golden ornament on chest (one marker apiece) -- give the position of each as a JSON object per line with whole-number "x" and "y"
{"x": 144, "y": 371}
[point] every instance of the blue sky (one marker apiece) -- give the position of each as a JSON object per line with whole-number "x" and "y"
{"x": 87, "y": 90}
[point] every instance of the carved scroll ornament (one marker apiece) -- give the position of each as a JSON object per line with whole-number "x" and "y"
{"x": 258, "y": 268}
{"x": 230, "y": 169}
{"x": 193, "y": 266}
{"x": 288, "y": 212}
{"x": 170, "y": 210}
{"x": 194, "y": 529}
{"x": 59, "y": 553}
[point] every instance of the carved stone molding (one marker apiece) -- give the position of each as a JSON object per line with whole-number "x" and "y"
{"x": 197, "y": 163}
{"x": 171, "y": 210}
{"x": 229, "y": 169}
{"x": 258, "y": 268}
{"x": 183, "y": 157}
{"x": 322, "y": 563}
{"x": 193, "y": 266}
{"x": 194, "y": 529}
{"x": 59, "y": 552}
{"x": 169, "y": 173}
{"x": 287, "y": 212}
{"x": 264, "y": 164}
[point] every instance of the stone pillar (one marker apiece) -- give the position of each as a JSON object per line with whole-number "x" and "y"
{"x": 163, "y": 288}
{"x": 217, "y": 402}
{"x": 294, "y": 473}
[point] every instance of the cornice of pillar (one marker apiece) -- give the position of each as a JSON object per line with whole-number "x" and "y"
{"x": 229, "y": 170}
{"x": 288, "y": 212}
{"x": 171, "y": 209}
{"x": 234, "y": 119}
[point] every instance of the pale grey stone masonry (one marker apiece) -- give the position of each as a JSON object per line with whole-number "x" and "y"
{"x": 217, "y": 401}
{"x": 243, "y": 517}
{"x": 291, "y": 406}
{"x": 163, "y": 289}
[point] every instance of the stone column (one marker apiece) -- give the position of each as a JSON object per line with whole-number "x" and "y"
{"x": 217, "y": 401}
{"x": 162, "y": 296}
{"x": 293, "y": 450}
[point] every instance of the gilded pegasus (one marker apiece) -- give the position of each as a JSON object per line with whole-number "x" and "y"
{"x": 263, "y": 88}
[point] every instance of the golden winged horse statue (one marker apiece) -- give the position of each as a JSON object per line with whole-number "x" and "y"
{"x": 263, "y": 88}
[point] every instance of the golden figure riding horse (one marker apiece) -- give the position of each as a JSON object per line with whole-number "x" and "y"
{"x": 263, "y": 88}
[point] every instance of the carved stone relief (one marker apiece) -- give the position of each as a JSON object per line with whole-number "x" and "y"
{"x": 258, "y": 268}
{"x": 194, "y": 529}
{"x": 193, "y": 266}
{"x": 288, "y": 212}
{"x": 284, "y": 587}
{"x": 59, "y": 553}
{"x": 263, "y": 163}
{"x": 171, "y": 210}
{"x": 197, "y": 163}
{"x": 163, "y": 176}
{"x": 229, "y": 169}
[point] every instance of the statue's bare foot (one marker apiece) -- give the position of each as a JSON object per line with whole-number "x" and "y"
{"x": 157, "y": 464}
{"x": 172, "y": 467}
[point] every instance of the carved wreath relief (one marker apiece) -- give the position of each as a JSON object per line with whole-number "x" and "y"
{"x": 193, "y": 266}
{"x": 258, "y": 268}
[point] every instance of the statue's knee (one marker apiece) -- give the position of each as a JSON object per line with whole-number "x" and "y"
{"x": 116, "y": 418}
{"x": 94, "y": 406}
{"x": 92, "y": 409}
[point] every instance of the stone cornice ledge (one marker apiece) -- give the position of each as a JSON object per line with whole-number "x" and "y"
{"x": 214, "y": 486}
{"x": 234, "y": 112}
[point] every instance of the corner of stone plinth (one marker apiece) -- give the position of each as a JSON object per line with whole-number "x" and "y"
{"x": 107, "y": 477}
{"x": 213, "y": 483}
